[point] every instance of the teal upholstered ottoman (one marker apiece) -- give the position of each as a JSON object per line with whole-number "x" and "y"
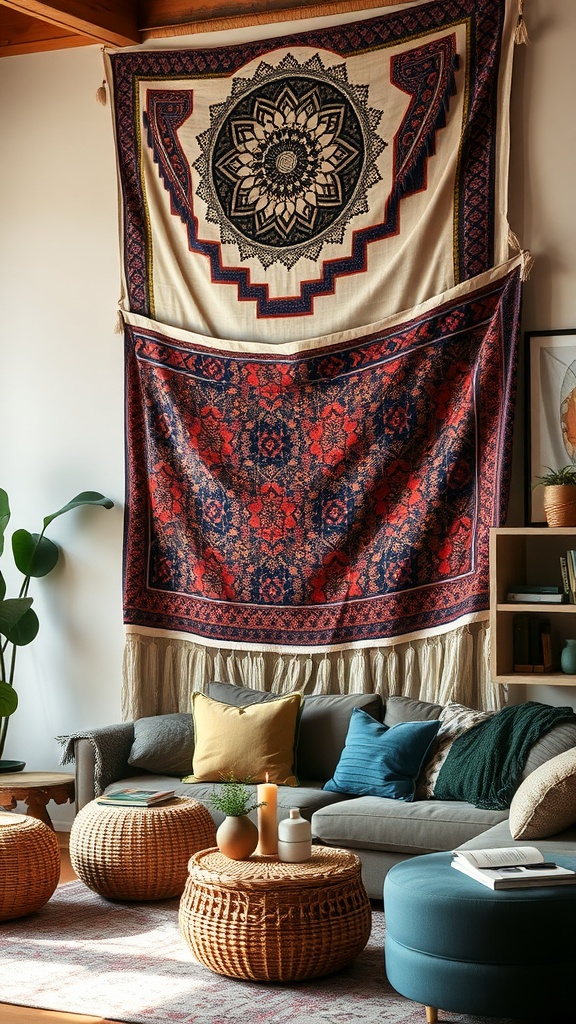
{"x": 453, "y": 943}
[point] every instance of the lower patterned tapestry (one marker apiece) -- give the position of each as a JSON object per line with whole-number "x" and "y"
{"x": 320, "y": 496}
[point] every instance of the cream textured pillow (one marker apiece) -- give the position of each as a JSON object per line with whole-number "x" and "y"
{"x": 245, "y": 742}
{"x": 545, "y": 803}
{"x": 456, "y": 719}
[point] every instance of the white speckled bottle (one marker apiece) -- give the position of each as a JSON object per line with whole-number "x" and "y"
{"x": 294, "y": 838}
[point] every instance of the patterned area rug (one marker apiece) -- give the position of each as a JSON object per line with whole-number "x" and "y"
{"x": 128, "y": 962}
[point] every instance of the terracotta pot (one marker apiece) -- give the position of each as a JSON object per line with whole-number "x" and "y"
{"x": 560, "y": 504}
{"x": 237, "y": 837}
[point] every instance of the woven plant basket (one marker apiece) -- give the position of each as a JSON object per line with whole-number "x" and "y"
{"x": 560, "y": 504}
{"x": 139, "y": 853}
{"x": 263, "y": 920}
{"x": 29, "y": 865}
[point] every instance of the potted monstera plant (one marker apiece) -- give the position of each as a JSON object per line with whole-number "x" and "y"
{"x": 559, "y": 495}
{"x": 34, "y": 556}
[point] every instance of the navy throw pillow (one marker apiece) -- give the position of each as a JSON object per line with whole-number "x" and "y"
{"x": 378, "y": 760}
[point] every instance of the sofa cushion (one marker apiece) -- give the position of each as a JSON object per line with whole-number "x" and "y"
{"x": 381, "y": 761}
{"x": 418, "y": 826}
{"x": 323, "y": 725}
{"x": 545, "y": 802}
{"x": 163, "y": 744}
{"x": 248, "y": 742}
{"x": 407, "y": 709}
{"x": 560, "y": 738}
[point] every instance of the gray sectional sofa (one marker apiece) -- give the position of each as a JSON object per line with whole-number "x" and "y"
{"x": 157, "y": 752}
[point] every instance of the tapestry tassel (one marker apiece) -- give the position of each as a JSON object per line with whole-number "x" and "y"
{"x": 521, "y": 33}
{"x": 101, "y": 94}
{"x": 527, "y": 257}
{"x": 119, "y": 328}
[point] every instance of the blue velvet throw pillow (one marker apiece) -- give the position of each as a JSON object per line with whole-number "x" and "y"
{"x": 378, "y": 760}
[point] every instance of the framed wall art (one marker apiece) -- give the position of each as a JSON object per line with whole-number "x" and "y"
{"x": 550, "y": 410}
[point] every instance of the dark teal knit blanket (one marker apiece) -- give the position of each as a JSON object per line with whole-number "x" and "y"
{"x": 484, "y": 766}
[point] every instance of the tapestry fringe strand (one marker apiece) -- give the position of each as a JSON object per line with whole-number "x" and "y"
{"x": 160, "y": 674}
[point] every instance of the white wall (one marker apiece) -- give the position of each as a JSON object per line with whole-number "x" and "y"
{"x": 61, "y": 408}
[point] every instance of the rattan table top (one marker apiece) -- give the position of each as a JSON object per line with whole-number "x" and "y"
{"x": 327, "y": 865}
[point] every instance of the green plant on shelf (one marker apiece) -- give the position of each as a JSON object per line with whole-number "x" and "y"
{"x": 557, "y": 477}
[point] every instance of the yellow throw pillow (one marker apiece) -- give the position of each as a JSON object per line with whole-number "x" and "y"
{"x": 245, "y": 742}
{"x": 545, "y": 803}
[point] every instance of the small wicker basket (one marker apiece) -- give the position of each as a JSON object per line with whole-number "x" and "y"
{"x": 29, "y": 864}
{"x": 264, "y": 920}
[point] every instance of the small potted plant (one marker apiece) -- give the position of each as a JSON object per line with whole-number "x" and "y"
{"x": 559, "y": 495}
{"x": 237, "y": 836}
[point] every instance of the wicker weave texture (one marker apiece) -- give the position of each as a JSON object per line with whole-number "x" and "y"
{"x": 266, "y": 921}
{"x": 29, "y": 865}
{"x": 139, "y": 853}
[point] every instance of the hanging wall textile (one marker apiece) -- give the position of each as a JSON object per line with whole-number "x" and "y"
{"x": 312, "y": 495}
{"x": 278, "y": 189}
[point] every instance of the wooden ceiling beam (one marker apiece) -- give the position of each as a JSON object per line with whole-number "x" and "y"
{"x": 112, "y": 24}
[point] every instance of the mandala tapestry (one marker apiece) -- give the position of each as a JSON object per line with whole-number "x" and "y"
{"x": 288, "y": 188}
{"x": 321, "y": 495}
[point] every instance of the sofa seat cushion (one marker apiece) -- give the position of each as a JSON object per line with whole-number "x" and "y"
{"x": 309, "y": 797}
{"x": 500, "y": 835}
{"x": 378, "y": 823}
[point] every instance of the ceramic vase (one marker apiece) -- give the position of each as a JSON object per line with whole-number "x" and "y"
{"x": 294, "y": 838}
{"x": 237, "y": 837}
{"x": 568, "y": 657}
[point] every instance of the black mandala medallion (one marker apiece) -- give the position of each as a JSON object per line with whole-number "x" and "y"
{"x": 288, "y": 160}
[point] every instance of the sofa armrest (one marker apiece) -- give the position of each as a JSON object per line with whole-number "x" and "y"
{"x": 100, "y": 757}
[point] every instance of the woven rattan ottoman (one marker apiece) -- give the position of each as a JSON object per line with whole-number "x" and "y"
{"x": 139, "y": 853}
{"x": 263, "y": 920}
{"x": 29, "y": 864}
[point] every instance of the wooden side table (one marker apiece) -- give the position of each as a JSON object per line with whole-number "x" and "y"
{"x": 35, "y": 789}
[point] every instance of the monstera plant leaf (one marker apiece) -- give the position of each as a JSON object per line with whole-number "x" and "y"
{"x": 8, "y": 699}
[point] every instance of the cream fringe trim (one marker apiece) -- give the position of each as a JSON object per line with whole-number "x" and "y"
{"x": 161, "y": 673}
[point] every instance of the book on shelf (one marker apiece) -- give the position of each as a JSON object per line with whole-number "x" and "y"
{"x": 535, "y": 588}
{"x": 135, "y": 797}
{"x": 512, "y": 867}
{"x": 565, "y": 578}
{"x": 531, "y": 642}
{"x": 535, "y": 597}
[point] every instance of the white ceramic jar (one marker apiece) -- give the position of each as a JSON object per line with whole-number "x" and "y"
{"x": 294, "y": 838}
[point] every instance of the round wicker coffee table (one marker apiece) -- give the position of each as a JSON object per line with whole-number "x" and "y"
{"x": 29, "y": 864}
{"x": 139, "y": 853}
{"x": 264, "y": 920}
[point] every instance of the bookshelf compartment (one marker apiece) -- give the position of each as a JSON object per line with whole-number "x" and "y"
{"x": 529, "y": 555}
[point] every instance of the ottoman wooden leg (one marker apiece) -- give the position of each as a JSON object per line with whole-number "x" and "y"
{"x": 431, "y": 1015}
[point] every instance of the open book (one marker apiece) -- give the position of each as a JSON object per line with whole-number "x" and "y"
{"x": 512, "y": 867}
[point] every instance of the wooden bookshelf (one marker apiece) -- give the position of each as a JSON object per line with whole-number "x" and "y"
{"x": 527, "y": 555}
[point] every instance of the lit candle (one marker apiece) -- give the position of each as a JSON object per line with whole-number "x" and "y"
{"x": 267, "y": 794}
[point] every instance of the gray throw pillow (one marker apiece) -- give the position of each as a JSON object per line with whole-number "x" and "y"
{"x": 163, "y": 744}
{"x": 560, "y": 738}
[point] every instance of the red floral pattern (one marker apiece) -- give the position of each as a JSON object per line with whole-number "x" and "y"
{"x": 338, "y": 495}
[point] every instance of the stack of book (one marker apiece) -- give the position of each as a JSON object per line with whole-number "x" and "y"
{"x": 516, "y": 867}
{"x": 532, "y": 643}
{"x": 135, "y": 797}
{"x": 532, "y": 593}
